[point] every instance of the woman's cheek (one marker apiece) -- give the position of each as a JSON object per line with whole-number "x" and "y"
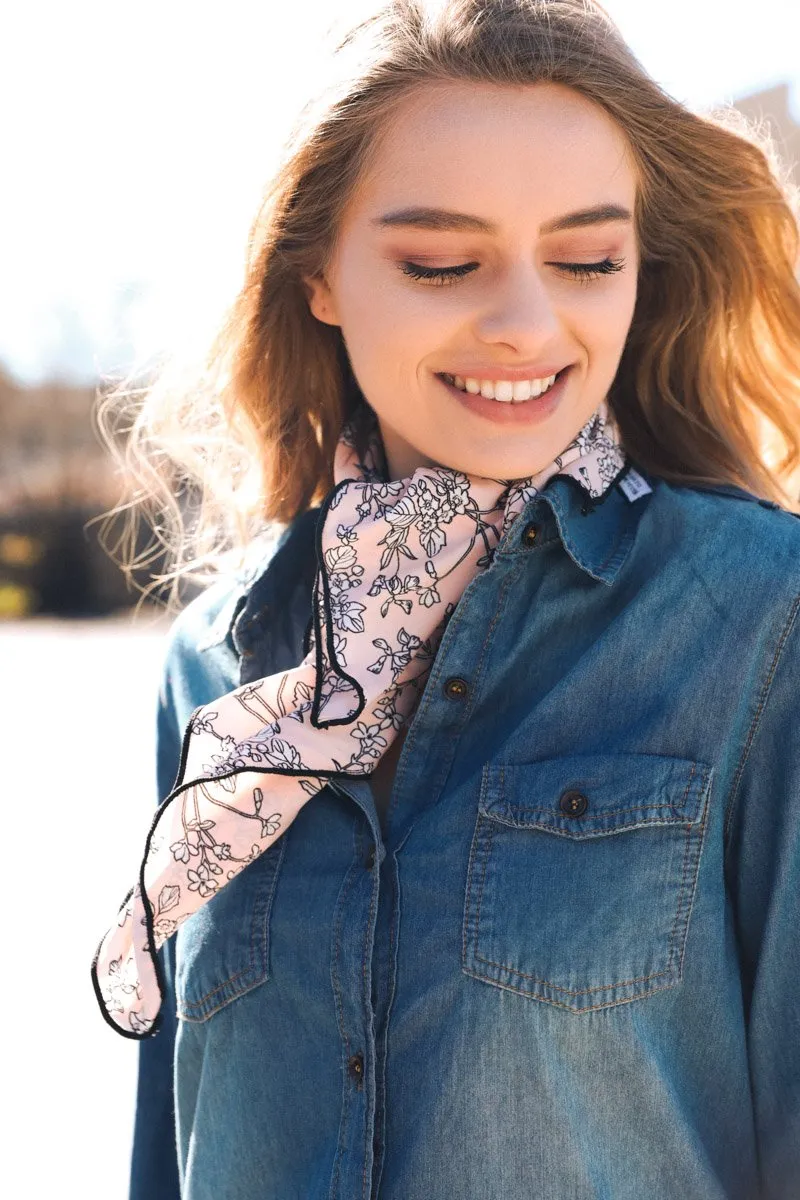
{"x": 605, "y": 317}
{"x": 414, "y": 321}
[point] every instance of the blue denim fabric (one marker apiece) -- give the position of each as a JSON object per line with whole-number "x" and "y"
{"x": 571, "y": 968}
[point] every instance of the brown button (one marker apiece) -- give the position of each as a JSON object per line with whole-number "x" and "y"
{"x": 355, "y": 1067}
{"x": 573, "y": 804}
{"x": 529, "y": 535}
{"x": 456, "y": 688}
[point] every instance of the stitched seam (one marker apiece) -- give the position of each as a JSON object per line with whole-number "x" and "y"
{"x": 199, "y": 1020}
{"x": 487, "y": 851}
{"x": 588, "y": 833}
{"x": 268, "y": 902}
{"x": 606, "y": 987}
{"x": 336, "y": 950}
{"x": 605, "y": 812}
{"x": 473, "y": 853}
{"x": 377, "y": 1165}
{"x": 368, "y": 1020}
{"x": 676, "y": 922}
{"x": 699, "y": 837}
{"x": 571, "y": 1007}
{"x": 505, "y": 588}
{"x": 618, "y": 545}
{"x": 685, "y": 795}
{"x": 733, "y": 797}
{"x": 392, "y": 977}
{"x": 231, "y": 979}
{"x": 339, "y": 1021}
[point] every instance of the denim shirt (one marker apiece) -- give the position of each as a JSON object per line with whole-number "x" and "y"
{"x": 565, "y": 963}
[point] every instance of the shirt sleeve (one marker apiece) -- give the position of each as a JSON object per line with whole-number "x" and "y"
{"x": 154, "y": 1160}
{"x": 763, "y": 870}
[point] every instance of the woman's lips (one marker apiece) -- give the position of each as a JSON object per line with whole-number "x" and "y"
{"x": 523, "y": 412}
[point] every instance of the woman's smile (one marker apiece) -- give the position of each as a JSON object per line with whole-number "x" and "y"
{"x": 488, "y": 401}
{"x": 502, "y": 389}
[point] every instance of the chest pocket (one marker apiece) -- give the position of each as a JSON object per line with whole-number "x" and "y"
{"x": 582, "y": 874}
{"x": 222, "y": 950}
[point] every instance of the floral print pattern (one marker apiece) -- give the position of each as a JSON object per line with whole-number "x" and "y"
{"x": 393, "y": 558}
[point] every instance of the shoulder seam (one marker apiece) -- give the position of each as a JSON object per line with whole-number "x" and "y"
{"x": 756, "y": 721}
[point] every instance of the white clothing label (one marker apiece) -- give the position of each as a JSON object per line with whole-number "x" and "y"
{"x": 634, "y": 486}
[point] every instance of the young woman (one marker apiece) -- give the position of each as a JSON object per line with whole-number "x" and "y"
{"x": 480, "y": 783}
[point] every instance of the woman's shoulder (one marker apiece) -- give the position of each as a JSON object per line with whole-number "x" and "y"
{"x": 206, "y": 620}
{"x": 201, "y": 659}
{"x": 730, "y": 534}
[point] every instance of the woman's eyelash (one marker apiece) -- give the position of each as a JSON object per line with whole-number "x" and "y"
{"x": 608, "y": 266}
{"x": 436, "y": 274}
{"x": 444, "y": 275}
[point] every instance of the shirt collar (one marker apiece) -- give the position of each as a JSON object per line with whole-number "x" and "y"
{"x": 597, "y": 533}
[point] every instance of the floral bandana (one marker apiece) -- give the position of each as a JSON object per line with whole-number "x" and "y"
{"x": 393, "y": 558}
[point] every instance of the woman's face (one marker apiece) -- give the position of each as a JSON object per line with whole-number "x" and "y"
{"x": 500, "y": 183}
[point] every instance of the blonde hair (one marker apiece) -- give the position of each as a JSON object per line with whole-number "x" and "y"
{"x": 708, "y": 388}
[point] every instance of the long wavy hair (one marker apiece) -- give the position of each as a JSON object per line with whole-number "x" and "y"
{"x": 708, "y": 387}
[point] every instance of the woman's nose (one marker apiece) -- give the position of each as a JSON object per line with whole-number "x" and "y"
{"x": 519, "y": 312}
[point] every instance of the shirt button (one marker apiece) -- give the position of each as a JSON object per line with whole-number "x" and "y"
{"x": 573, "y": 804}
{"x": 456, "y": 688}
{"x": 355, "y": 1067}
{"x": 369, "y": 861}
{"x": 529, "y": 535}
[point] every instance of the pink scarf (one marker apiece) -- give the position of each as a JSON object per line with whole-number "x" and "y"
{"x": 393, "y": 559}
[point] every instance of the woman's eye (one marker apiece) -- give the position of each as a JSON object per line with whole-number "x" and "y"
{"x": 439, "y": 275}
{"x": 584, "y": 272}
{"x": 588, "y": 271}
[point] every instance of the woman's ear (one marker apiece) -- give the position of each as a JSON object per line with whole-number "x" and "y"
{"x": 320, "y": 299}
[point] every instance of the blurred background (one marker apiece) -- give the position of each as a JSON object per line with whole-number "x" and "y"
{"x": 135, "y": 144}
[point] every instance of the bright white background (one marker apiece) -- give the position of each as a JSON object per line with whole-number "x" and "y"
{"x": 134, "y": 141}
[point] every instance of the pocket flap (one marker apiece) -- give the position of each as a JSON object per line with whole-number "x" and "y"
{"x": 614, "y": 792}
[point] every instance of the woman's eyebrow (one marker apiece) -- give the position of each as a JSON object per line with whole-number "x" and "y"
{"x": 444, "y": 220}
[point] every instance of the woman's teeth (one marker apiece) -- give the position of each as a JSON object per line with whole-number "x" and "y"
{"x": 502, "y": 389}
